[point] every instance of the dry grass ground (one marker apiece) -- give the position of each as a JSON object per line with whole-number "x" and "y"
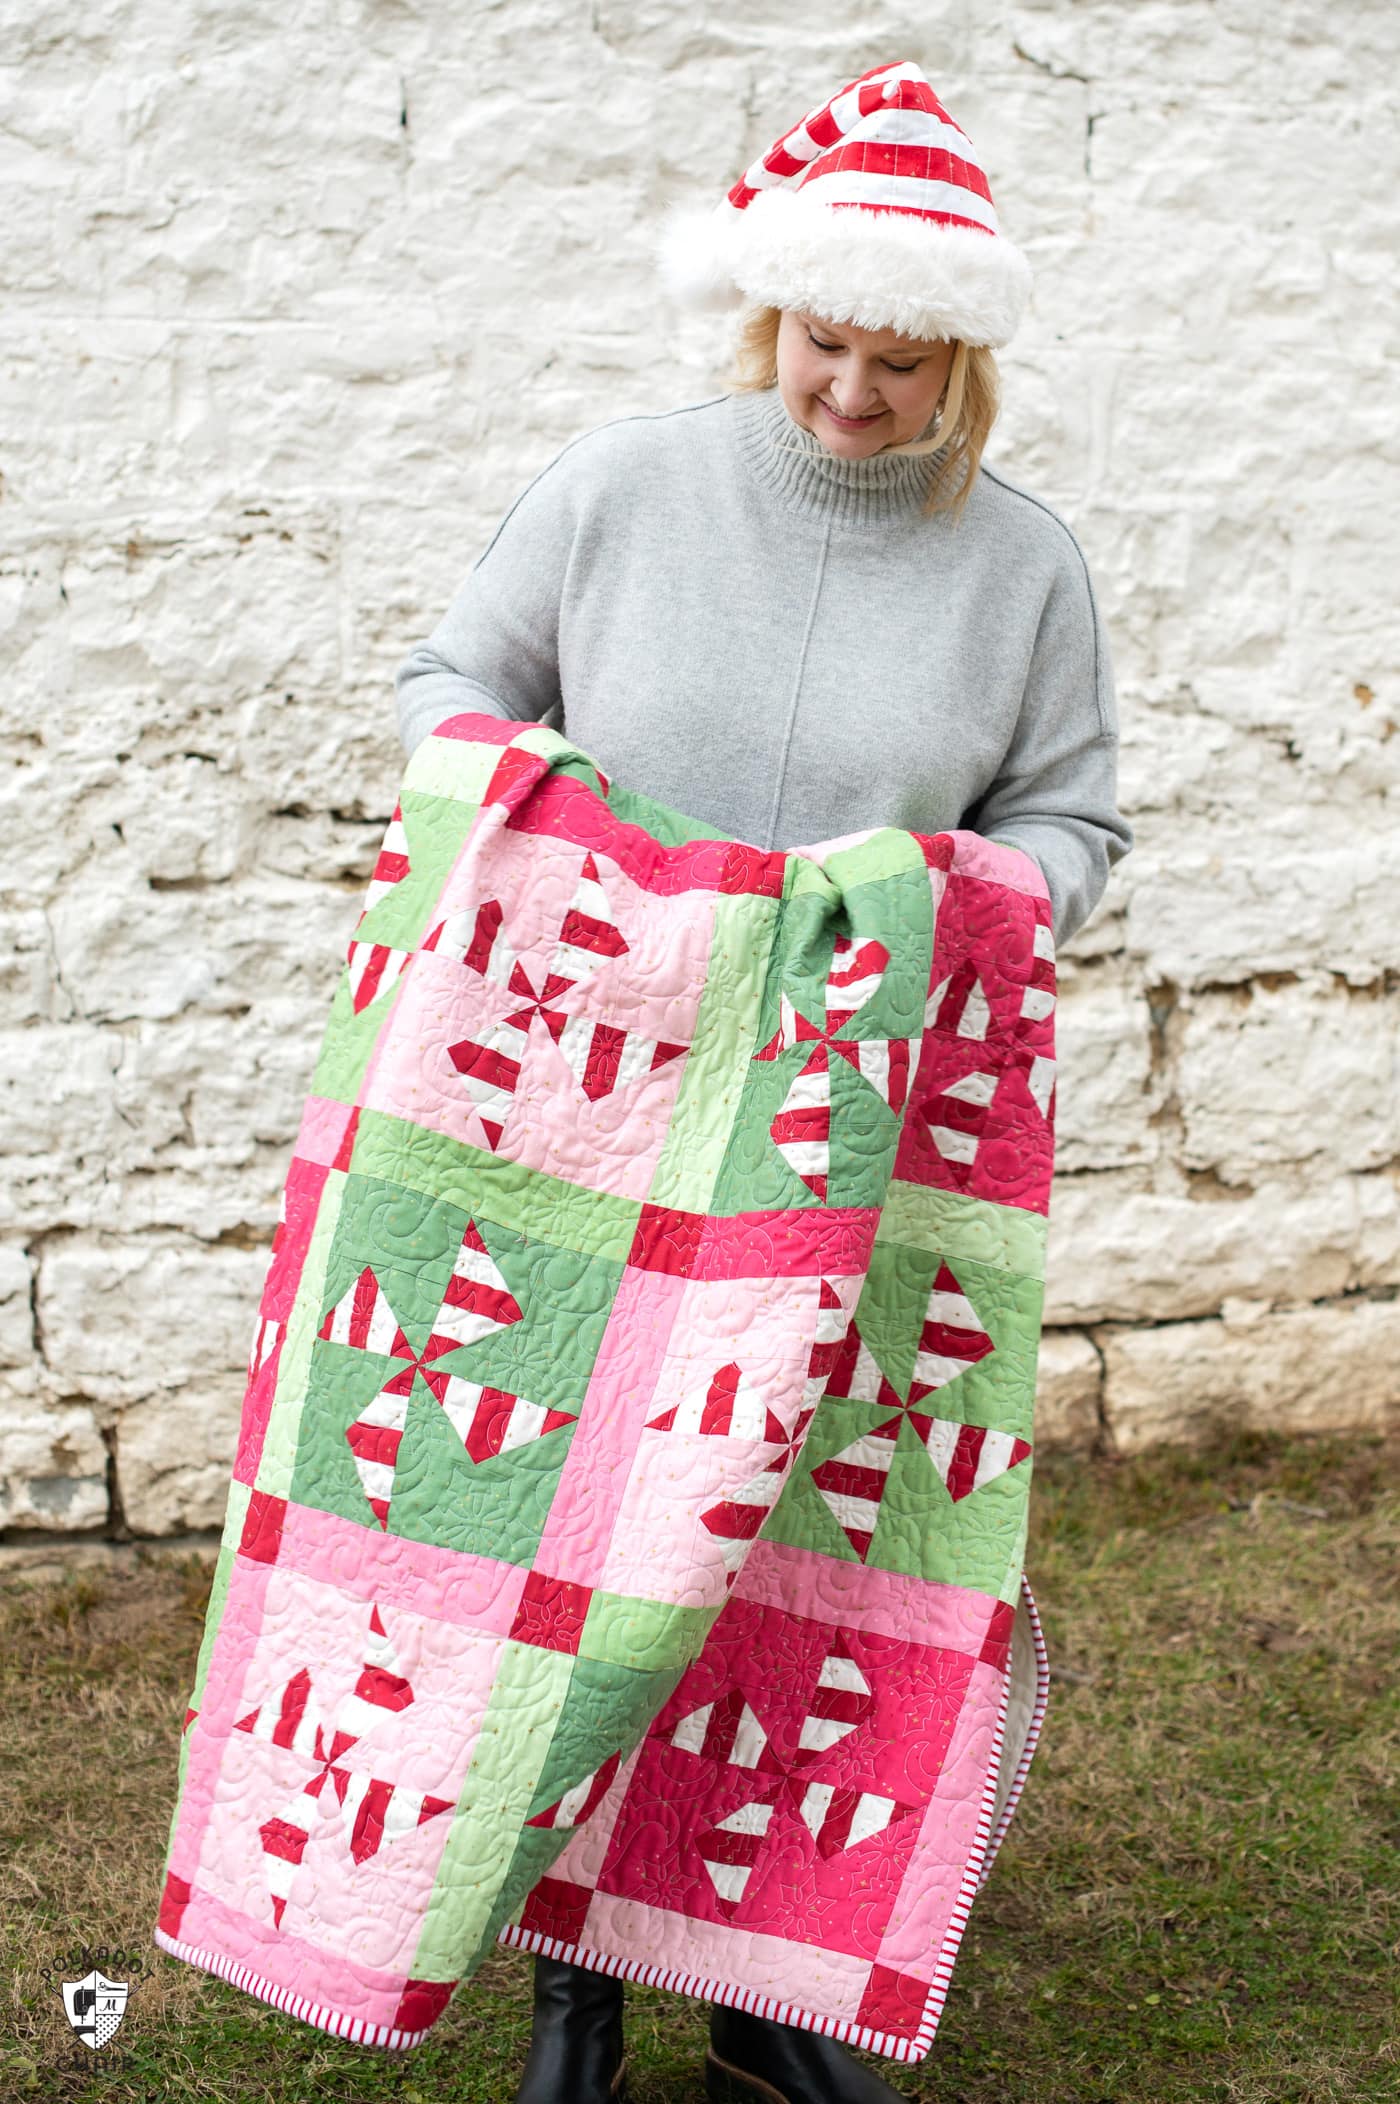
{"x": 1198, "y": 1899}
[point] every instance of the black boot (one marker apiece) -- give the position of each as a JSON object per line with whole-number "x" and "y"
{"x": 751, "y": 2057}
{"x": 575, "y": 2052}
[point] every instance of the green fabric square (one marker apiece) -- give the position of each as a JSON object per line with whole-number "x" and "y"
{"x": 496, "y": 1507}
{"x": 474, "y": 1179}
{"x": 348, "y": 1042}
{"x": 452, "y": 769}
{"x": 672, "y": 828}
{"x": 608, "y": 1710}
{"x": 800, "y": 1515}
{"x": 897, "y": 911}
{"x": 715, "y": 1079}
{"x": 341, "y": 1384}
{"x": 920, "y": 1529}
{"x": 954, "y": 1223}
{"x": 999, "y": 1390}
{"x": 401, "y": 1246}
{"x": 888, "y": 852}
{"x": 977, "y": 1542}
{"x": 864, "y": 1132}
{"x": 469, "y": 1902}
{"x": 435, "y": 826}
{"x": 646, "y": 1634}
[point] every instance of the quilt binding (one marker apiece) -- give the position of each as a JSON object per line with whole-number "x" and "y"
{"x": 844, "y": 2029}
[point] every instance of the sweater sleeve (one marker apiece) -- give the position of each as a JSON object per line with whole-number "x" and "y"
{"x": 1055, "y": 795}
{"x": 496, "y": 649}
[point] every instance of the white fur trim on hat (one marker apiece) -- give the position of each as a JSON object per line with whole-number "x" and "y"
{"x": 874, "y": 270}
{"x": 689, "y": 258}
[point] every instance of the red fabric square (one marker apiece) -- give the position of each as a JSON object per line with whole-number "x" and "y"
{"x": 262, "y": 1527}
{"x": 551, "y": 1613}
{"x": 805, "y": 1884}
{"x": 938, "y": 849}
{"x": 996, "y": 1645}
{"x": 557, "y": 1908}
{"x": 346, "y": 1149}
{"x": 422, "y": 2002}
{"x": 893, "y": 2001}
{"x": 513, "y": 777}
{"x": 478, "y": 727}
{"x": 752, "y": 871}
{"x": 666, "y": 1240}
{"x": 173, "y": 1902}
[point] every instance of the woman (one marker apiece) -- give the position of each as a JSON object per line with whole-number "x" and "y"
{"x": 798, "y": 609}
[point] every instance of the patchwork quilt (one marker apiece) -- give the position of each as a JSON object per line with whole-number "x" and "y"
{"x": 623, "y": 1556}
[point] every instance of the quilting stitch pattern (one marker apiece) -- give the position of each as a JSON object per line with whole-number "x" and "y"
{"x": 624, "y": 1548}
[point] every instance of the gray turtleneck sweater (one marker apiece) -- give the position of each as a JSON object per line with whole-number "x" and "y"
{"x": 736, "y": 621}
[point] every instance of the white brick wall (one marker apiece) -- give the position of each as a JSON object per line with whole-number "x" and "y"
{"x": 296, "y": 300}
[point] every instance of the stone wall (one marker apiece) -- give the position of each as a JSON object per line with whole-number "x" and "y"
{"x": 297, "y": 302}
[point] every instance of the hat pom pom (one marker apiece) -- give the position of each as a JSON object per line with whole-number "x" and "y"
{"x": 689, "y": 254}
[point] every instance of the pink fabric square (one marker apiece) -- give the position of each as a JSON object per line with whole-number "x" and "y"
{"x": 781, "y": 1576}
{"x": 585, "y": 1091}
{"x": 829, "y": 1981}
{"x": 324, "y": 1124}
{"x": 621, "y": 1395}
{"x": 395, "y": 1713}
{"x": 997, "y": 862}
{"x": 736, "y": 1344}
{"x": 663, "y": 1548}
{"x": 422, "y": 1578}
{"x": 300, "y": 1965}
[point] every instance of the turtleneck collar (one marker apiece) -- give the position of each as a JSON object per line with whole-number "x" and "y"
{"x": 809, "y": 478}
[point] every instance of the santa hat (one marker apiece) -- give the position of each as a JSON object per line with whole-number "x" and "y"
{"x": 873, "y": 210}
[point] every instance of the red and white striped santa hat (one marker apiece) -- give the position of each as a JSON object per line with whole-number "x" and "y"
{"x": 873, "y": 210}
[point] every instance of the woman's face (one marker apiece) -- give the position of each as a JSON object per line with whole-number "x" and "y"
{"x": 832, "y": 370}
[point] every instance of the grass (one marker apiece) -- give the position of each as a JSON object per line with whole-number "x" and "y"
{"x": 1198, "y": 1898}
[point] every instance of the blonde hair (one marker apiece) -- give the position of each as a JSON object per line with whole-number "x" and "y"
{"x": 970, "y": 404}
